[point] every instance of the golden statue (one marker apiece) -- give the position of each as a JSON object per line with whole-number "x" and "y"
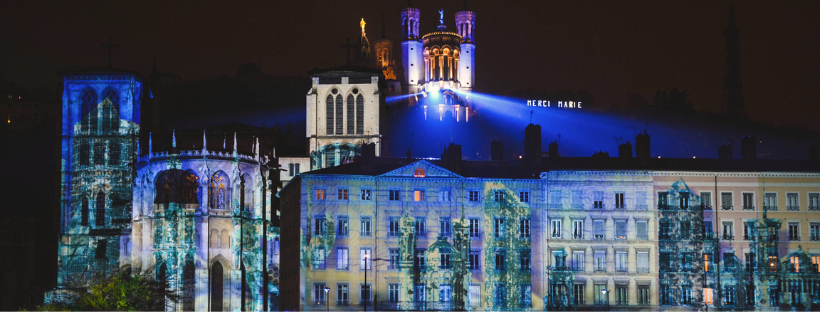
{"x": 362, "y": 23}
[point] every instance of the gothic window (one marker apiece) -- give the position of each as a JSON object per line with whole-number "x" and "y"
{"x": 350, "y": 110}
{"x": 329, "y": 114}
{"x": 84, "y": 211}
{"x": 88, "y": 99}
{"x": 188, "y": 285}
{"x": 85, "y": 151}
{"x": 176, "y": 186}
{"x": 106, "y": 117}
{"x": 114, "y": 154}
{"x": 247, "y": 192}
{"x": 359, "y": 114}
{"x": 111, "y": 95}
{"x": 218, "y": 191}
{"x": 99, "y": 153}
{"x": 339, "y": 115}
{"x": 99, "y": 210}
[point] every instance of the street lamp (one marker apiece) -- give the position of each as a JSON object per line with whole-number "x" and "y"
{"x": 327, "y": 297}
{"x": 366, "y": 257}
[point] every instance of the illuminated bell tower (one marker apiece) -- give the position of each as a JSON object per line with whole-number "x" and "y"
{"x": 411, "y": 50}
{"x": 465, "y": 23}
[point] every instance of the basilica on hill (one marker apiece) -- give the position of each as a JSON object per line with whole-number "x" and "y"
{"x": 345, "y": 225}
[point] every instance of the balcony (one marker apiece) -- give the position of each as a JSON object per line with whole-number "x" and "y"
{"x": 598, "y": 237}
{"x": 598, "y": 205}
{"x": 793, "y": 208}
{"x": 815, "y": 238}
{"x": 617, "y": 207}
{"x": 814, "y": 208}
{"x": 578, "y": 268}
{"x": 727, "y": 207}
{"x": 794, "y": 237}
{"x": 748, "y": 207}
{"x": 728, "y": 237}
{"x": 620, "y": 237}
{"x": 600, "y": 269}
{"x": 643, "y": 270}
{"x": 621, "y": 269}
{"x": 642, "y": 236}
{"x": 577, "y": 236}
{"x": 706, "y": 207}
{"x": 770, "y": 208}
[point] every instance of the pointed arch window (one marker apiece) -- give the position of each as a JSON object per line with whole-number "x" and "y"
{"x": 329, "y": 114}
{"x": 88, "y": 99}
{"x": 99, "y": 210}
{"x": 218, "y": 191}
{"x": 359, "y": 114}
{"x": 99, "y": 153}
{"x": 85, "y": 153}
{"x": 114, "y": 154}
{"x": 339, "y": 115}
{"x": 350, "y": 110}
{"x": 84, "y": 211}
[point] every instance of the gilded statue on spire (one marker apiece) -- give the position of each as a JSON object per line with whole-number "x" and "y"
{"x": 362, "y": 23}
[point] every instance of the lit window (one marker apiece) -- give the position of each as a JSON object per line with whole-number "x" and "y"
{"x": 706, "y": 263}
{"x": 418, "y": 195}
{"x": 707, "y": 296}
{"x": 320, "y": 194}
{"x": 419, "y": 173}
{"x": 795, "y": 264}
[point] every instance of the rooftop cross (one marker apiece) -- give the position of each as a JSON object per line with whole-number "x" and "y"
{"x": 109, "y": 45}
{"x": 348, "y": 46}
{"x": 362, "y": 23}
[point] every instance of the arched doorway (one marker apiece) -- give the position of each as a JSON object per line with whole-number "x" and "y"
{"x": 216, "y": 287}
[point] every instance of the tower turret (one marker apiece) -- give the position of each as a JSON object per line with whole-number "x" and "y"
{"x": 411, "y": 49}
{"x": 465, "y": 24}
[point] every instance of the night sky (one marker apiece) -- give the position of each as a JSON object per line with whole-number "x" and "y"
{"x": 611, "y": 49}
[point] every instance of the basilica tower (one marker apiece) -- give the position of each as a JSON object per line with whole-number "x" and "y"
{"x": 411, "y": 50}
{"x": 465, "y": 23}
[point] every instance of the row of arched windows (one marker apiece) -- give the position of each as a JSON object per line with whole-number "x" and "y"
{"x": 335, "y": 113}
{"x": 99, "y": 210}
{"x": 182, "y": 187}
{"x": 114, "y": 152}
{"x": 99, "y": 114}
{"x": 441, "y": 64}
{"x": 219, "y": 240}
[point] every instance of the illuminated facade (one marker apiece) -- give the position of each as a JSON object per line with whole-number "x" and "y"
{"x": 195, "y": 218}
{"x": 436, "y": 240}
{"x": 100, "y": 128}
{"x": 439, "y": 67}
{"x": 199, "y": 222}
{"x": 344, "y": 111}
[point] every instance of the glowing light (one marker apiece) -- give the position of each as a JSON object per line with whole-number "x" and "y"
{"x": 659, "y": 156}
{"x": 457, "y": 116}
{"x": 694, "y": 156}
{"x": 467, "y": 114}
{"x": 425, "y": 112}
{"x": 440, "y": 112}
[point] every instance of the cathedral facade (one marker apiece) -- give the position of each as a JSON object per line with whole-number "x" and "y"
{"x": 199, "y": 219}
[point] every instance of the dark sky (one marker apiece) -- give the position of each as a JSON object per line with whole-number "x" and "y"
{"x": 612, "y": 49}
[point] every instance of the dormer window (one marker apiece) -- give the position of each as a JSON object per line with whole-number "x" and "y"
{"x": 418, "y": 173}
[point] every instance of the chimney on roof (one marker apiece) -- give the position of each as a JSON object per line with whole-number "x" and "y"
{"x": 725, "y": 151}
{"x": 642, "y": 145}
{"x": 496, "y": 150}
{"x": 625, "y": 150}
{"x": 814, "y": 153}
{"x": 369, "y": 151}
{"x": 748, "y": 148}
{"x": 553, "y": 149}
{"x": 451, "y": 158}
{"x": 532, "y": 145}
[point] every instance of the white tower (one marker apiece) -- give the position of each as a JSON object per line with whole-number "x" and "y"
{"x": 465, "y": 23}
{"x": 411, "y": 50}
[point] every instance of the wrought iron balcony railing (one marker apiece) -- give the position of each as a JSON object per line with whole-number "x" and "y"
{"x": 727, "y": 207}
{"x": 770, "y": 208}
{"x": 748, "y": 207}
{"x": 793, "y": 208}
{"x": 598, "y": 237}
{"x": 814, "y": 208}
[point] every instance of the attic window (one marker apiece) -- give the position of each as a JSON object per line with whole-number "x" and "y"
{"x": 419, "y": 173}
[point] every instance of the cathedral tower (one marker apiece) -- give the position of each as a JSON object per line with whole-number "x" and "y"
{"x": 411, "y": 50}
{"x": 100, "y": 130}
{"x": 384, "y": 56}
{"x": 465, "y": 23}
